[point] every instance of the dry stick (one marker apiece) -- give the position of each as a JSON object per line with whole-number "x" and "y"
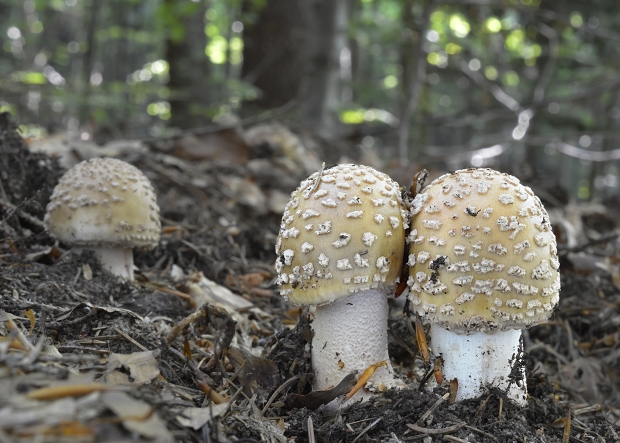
{"x": 228, "y": 380}
{"x": 400, "y": 340}
{"x": 432, "y": 409}
{"x": 129, "y": 339}
{"x": 454, "y": 439}
{"x": 35, "y": 353}
{"x": 367, "y": 428}
{"x": 429, "y": 431}
{"x": 310, "y": 431}
{"x": 501, "y": 406}
{"x": 84, "y": 349}
{"x": 282, "y": 387}
{"x": 587, "y": 409}
{"x": 211, "y": 393}
{"x": 585, "y": 429}
{"x": 176, "y": 330}
{"x": 211, "y": 313}
{"x": 420, "y": 336}
{"x": 318, "y": 179}
{"x": 225, "y": 334}
{"x": 566, "y": 433}
{"x": 550, "y": 350}
{"x": 363, "y": 379}
{"x": 55, "y": 392}
{"x": 165, "y": 290}
{"x": 471, "y": 428}
{"x": 484, "y": 403}
{"x": 21, "y": 213}
{"x": 20, "y": 335}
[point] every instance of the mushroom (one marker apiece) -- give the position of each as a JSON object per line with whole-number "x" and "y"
{"x": 341, "y": 247}
{"x": 108, "y": 206}
{"x": 483, "y": 265}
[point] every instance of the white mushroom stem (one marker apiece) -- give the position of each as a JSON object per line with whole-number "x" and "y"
{"x": 481, "y": 360}
{"x": 351, "y": 334}
{"x": 118, "y": 261}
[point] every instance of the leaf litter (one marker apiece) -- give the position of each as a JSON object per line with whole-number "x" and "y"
{"x": 201, "y": 348}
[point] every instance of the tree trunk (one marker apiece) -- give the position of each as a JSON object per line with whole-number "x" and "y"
{"x": 188, "y": 70}
{"x": 415, "y": 83}
{"x": 322, "y": 81}
{"x": 274, "y": 50}
{"x": 87, "y": 67}
{"x": 293, "y": 51}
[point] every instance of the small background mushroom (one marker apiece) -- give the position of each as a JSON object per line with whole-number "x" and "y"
{"x": 108, "y": 206}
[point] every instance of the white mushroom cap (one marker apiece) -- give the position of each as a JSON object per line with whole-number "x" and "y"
{"x": 482, "y": 253}
{"x": 342, "y": 235}
{"x": 104, "y": 202}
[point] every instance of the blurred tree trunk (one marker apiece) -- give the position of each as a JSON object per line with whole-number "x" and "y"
{"x": 321, "y": 90}
{"x": 188, "y": 69}
{"x": 414, "y": 76}
{"x": 293, "y": 51}
{"x": 88, "y": 63}
{"x": 274, "y": 50}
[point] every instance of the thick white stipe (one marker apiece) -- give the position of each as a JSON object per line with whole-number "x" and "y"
{"x": 480, "y": 360}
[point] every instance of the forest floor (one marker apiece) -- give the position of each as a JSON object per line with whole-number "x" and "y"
{"x": 86, "y": 357}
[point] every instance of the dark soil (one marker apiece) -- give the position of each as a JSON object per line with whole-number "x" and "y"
{"x": 573, "y": 361}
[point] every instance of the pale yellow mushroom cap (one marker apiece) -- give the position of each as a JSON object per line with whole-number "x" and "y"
{"x": 482, "y": 254}
{"x": 341, "y": 235}
{"x": 104, "y": 202}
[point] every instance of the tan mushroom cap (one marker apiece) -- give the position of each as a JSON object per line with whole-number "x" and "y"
{"x": 482, "y": 253}
{"x": 104, "y": 202}
{"x": 341, "y": 235}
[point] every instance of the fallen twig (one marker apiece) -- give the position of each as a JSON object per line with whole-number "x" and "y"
{"x": 430, "y": 431}
{"x": 282, "y": 387}
{"x": 434, "y": 407}
{"x": 129, "y": 339}
{"x": 54, "y": 392}
{"x": 367, "y": 428}
{"x": 566, "y": 433}
{"x": 310, "y": 431}
{"x": 484, "y": 403}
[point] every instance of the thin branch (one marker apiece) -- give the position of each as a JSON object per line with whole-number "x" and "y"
{"x": 599, "y": 32}
{"x": 584, "y": 154}
{"x": 21, "y": 213}
{"x": 545, "y": 77}
{"x": 500, "y": 95}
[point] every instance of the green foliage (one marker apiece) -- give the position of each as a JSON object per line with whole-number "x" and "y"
{"x": 169, "y": 16}
{"x": 28, "y": 77}
{"x": 55, "y": 69}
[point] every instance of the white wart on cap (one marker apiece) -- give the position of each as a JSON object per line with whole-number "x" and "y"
{"x": 104, "y": 203}
{"x": 341, "y": 247}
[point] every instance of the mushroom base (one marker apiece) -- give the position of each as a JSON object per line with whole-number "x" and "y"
{"x": 481, "y": 360}
{"x": 118, "y": 261}
{"x": 350, "y": 334}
